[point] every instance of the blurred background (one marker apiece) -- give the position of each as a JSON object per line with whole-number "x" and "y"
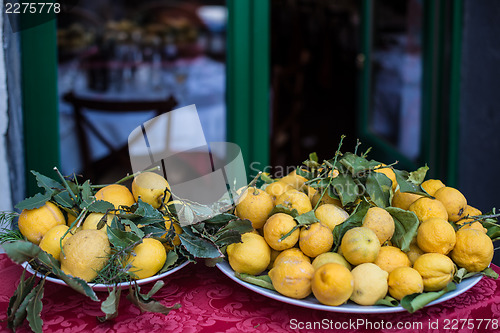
{"x": 414, "y": 79}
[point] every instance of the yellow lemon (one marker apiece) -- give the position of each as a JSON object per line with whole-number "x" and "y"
{"x": 425, "y": 208}
{"x": 152, "y": 188}
{"x": 468, "y": 223}
{"x": 294, "y": 180}
{"x": 288, "y": 255}
{"x": 315, "y": 239}
{"x": 436, "y": 235}
{"x": 277, "y": 188}
{"x": 436, "y": 270}
{"x": 292, "y": 279}
{"x": 370, "y": 284}
{"x": 405, "y": 281}
{"x": 116, "y": 194}
{"x": 475, "y": 225}
{"x": 454, "y": 202}
{"x": 381, "y": 222}
{"x": 414, "y": 252}
{"x": 85, "y": 254}
{"x": 274, "y": 255}
{"x": 256, "y": 205}
{"x": 473, "y": 251}
{"x": 403, "y": 200}
{"x": 332, "y": 284}
{"x": 147, "y": 258}
{"x": 295, "y": 199}
{"x": 360, "y": 245}
{"x": 34, "y": 223}
{"x": 330, "y": 257}
{"x": 277, "y": 226}
{"x": 432, "y": 185}
{"x": 251, "y": 256}
{"x": 51, "y": 241}
{"x": 389, "y": 174}
{"x": 391, "y": 257}
{"x": 93, "y": 219}
{"x": 325, "y": 200}
{"x": 175, "y": 240}
{"x": 71, "y": 218}
{"x": 331, "y": 215}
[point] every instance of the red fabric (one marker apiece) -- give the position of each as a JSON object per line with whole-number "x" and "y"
{"x": 211, "y": 302}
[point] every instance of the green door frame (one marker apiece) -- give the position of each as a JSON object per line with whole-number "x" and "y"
{"x": 247, "y": 89}
{"x": 439, "y": 136}
{"x": 248, "y": 81}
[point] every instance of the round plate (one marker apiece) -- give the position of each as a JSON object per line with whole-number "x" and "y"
{"x": 350, "y": 307}
{"x": 105, "y": 287}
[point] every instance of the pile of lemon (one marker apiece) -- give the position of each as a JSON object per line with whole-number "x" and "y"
{"x": 367, "y": 266}
{"x": 86, "y": 249}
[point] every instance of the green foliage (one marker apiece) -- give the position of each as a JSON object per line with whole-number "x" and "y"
{"x": 354, "y": 220}
{"x": 415, "y": 302}
{"x": 263, "y": 281}
{"x": 406, "y": 225}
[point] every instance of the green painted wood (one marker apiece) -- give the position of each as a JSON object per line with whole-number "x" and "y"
{"x": 40, "y": 101}
{"x": 248, "y": 80}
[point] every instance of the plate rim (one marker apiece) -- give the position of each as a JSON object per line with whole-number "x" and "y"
{"x": 105, "y": 287}
{"x": 226, "y": 269}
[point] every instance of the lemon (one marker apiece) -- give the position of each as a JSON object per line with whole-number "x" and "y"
{"x": 251, "y": 256}
{"x": 325, "y": 200}
{"x": 274, "y": 255}
{"x": 405, "y": 281}
{"x": 293, "y": 254}
{"x": 436, "y": 235}
{"x": 175, "y": 241}
{"x": 468, "y": 223}
{"x": 370, "y": 284}
{"x": 381, "y": 222}
{"x": 403, "y": 200}
{"x": 34, "y": 223}
{"x": 436, "y": 270}
{"x": 256, "y": 205}
{"x": 292, "y": 279}
{"x": 277, "y": 188}
{"x": 71, "y": 218}
{"x": 425, "y": 208}
{"x": 152, "y": 188}
{"x": 473, "y": 250}
{"x": 315, "y": 239}
{"x": 296, "y": 181}
{"x": 332, "y": 284}
{"x": 331, "y": 215}
{"x": 391, "y": 257}
{"x": 93, "y": 219}
{"x": 330, "y": 257}
{"x": 116, "y": 194}
{"x": 50, "y": 242}
{"x": 295, "y": 199}
{"x": 432, "y": 185}
{"x": 277, "y": 226}
{"x": 454, "y": 202}
{"x": 147, "y": 258}
{"x": 389, "y": 173}
{"x": 360, "y": 245}
{"x": 85, "y": 254}
{"x": 414, "y": 252}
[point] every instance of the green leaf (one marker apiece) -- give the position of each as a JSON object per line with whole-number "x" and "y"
{"x": 285, "y": 210}
{"x": 198, "y": 247}
{"x": 462, "y": 274}
{"x": 20, "y": 314}
{"x": 263, "y": 281}
{"x": 99, "y": 206}
{"x": 266, "y": 178}
{"x": 406, "y": 224}
{"x": 110, "y": 305}
{"x": 172, "y": 258}
{"x": 346, "y": 188}
{"x": 417, "y": 177}
{"x": 64, "y": 199}
{"x": 228, "y": 237}
{"x": 388, "y": 301}
{"x": 415, "y": 302}
{"x": 144, "y": 209}
{"x": 157, "y": 286}
{"x": 34, "y": 309}
{"x": 406, "y": 185}
{"x": 36, "y": 201}
{"x": 354, "y": 220}
{"x": 239, "y": 225}
{"x": 155, "y": 230}
{"x": 148, "y": 305}
{"x": 378, "y": 187}
{"x": 459, "y": 275}
{"x": 133, "y": 227}
{"x": 307, "y": 218}
{"x": 221, "y": 218}
{"x": 357, "y": 165}
{"x": 23, "y": 289}
{"x": 121, "y": 239}
{"x": 21, "y": 251}
{"x": 49, "y": 184}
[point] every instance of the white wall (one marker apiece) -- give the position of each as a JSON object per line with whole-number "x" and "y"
{"x": 5, "y": 190}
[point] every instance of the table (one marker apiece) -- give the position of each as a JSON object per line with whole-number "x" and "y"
{"x": 211, "y": 302}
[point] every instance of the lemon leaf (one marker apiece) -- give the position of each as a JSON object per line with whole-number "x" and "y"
{"x": 239, "y": 225}
{"x": 34, "y": 308}
{"x": 418, "y": 176}
{"x": 198, "y": 247}
{"x": 23, "y": 289}
{"x": 263, "y": 281}
{"x": 415, "y": 302}
{"x": 36, "y": 201}
{"x": 346, "y": 188}
{"x": 99, "y": 206}
{"x": 283, "y": 209}
{"x": 110, "y": 305}
{"x": 307, "y": 218}
{"x": 21, "y": 251}
{"x": 49, "y": 184}
{"x": 378, "y": 187}
{"x": 357, "y": 165}
{"x": 388, "y": 301}
{"x": 147, "y": 304}
{"x": 406, "y": 185}
{"x": 64, "y": 199}
{"x": 354, "y": 220}
{"x": 405, "y": 227}
{"x": 172, "y": 258}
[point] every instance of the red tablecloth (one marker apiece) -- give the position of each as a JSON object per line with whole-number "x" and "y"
{"x": 211, "y": 302}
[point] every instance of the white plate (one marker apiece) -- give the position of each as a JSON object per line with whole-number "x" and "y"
{"x": 105, "y": 287}
{"x": 312, "y": 303}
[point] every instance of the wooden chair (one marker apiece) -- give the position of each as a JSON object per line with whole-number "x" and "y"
{"x": 83, "y": 124}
